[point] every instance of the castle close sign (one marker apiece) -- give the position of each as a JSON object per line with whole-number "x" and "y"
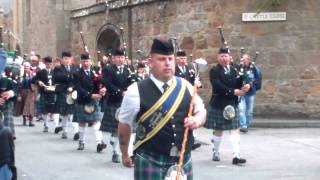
{"x": 264, "y": 16}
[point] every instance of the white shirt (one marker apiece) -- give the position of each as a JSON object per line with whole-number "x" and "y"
{"x": 182, "y": 69}
{"x": 130, "y": 106}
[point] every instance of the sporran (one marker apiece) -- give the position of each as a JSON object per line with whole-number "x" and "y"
{"x": 229, "y": 113}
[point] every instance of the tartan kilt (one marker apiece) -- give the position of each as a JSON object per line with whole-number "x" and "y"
{"x": 151, "y": 166}
{"x": 83, "y": 117}
{"x": 215, "y": 120}
{"x": 7, "y": 111}
{"x": 45, "y": 107}
{"x": 109, "y": 122}
{"x": 63, "y": 107}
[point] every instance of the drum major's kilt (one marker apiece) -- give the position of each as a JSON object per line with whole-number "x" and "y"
{"x": 83, "y": 117}
{"x": 215, "y": 120}
{"x": 109, "y": 122}
{"x": 155, "y": 167}
{"x": 63, "y": 107}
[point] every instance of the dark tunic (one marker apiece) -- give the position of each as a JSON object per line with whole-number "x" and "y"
{"x": 48, "y": 99}
{"x": 116, "y": 83}
{"x": 188, "y": 75}
{"x": 63, "y": 79}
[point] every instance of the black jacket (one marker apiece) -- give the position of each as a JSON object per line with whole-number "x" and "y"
{"x": 44, "y": 76}
{"x": 223, "y": 86}
{"x": 62, "y": 78}
{"x": 85, "y": 86}
{"x": 189, "y": 75}
{"x": 116, "y": 83}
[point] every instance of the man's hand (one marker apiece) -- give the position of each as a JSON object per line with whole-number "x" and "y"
{"x": 96, "y": 97}
{"x": 41, "y": 84}
{"x": 2, "y": 101}
{"x": 6, "y": 95}
{"x": 239, "y": 92}
{"x": 191, "y": 123}
{"x": 127, "y": 161}
{"x": 245, "y": 87}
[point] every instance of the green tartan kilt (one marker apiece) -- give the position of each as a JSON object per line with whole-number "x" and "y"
{"x": 7, "y": 111}
{"x": 109, "y": 122}
{"x": 215, "y": 120}
{"x": 151, "y": 166}
{"x": 83, "y": 117}
{"x": 63, "y": 107}
{"x": 45, "y": 107}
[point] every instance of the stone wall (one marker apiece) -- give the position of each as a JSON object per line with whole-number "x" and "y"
{"x": 40, "y": 33}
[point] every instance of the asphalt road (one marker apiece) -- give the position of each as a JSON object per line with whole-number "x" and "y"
{"x": 272, "y": 154}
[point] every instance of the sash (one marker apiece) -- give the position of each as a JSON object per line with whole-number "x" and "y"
{"x": 150, "y": 123}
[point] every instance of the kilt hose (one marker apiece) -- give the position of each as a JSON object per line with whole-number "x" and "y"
{"x": 63, "y": 107}
{"x": 152, "y": 166}
{"x": 81, "y": 116}
{"x": 215, "y": 120}
{"x": 109, "y": 122}
{"x": 7, "y": 110}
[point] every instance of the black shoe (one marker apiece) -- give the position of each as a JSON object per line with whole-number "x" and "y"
{"x": 115, "y": 158}
{"x": 64, "y": 135}
{"x": 101, "y": 146}
{"x": 244, "y": 130}
{"x": 57, "y": 130}
{"x": 215, "y": 156}
{"x": 195, "y": 146}
{"x": 238, "y": 161}
{"x": 31, "y": 125}
{"x": 45, "y": 129}
{"x": 81, "y": 146}
{"x": 76, "y": 136}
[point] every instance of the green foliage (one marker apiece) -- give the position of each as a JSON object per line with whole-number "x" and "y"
{"x": 264, "y": 4}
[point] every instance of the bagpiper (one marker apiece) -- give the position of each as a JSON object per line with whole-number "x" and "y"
{"x": 116, "y": 78}
{"x": 87, "y": 108}
{"x": 63, "y": 79}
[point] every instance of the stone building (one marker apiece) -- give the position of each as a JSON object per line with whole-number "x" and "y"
{"x": 289, "y": 48}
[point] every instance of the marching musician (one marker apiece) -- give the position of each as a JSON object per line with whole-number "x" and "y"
{"x": 7, "y": 95}
{"x": 159, "y": 106}
{"x": 63, "y": 78}
{"x": 48, "y": 96}
{"x": 184, "y": 71}
{"x": 116, "y": 78}
{"x": 87, "y": 109}
{"x": 223, "y": 106}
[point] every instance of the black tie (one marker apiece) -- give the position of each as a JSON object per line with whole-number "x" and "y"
{"x": 88, "y": 72}
{"x": 165, "y": 87}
